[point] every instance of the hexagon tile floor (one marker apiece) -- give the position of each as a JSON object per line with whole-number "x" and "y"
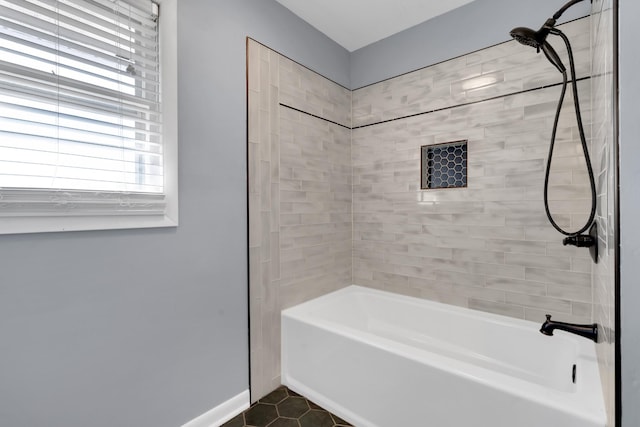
{"x": 285, "y": 408}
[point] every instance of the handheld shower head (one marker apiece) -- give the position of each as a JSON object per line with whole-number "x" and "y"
{"x": 538, "y": 39}
{"x": 529, "y": 37}
{"x": 526, "y": 36}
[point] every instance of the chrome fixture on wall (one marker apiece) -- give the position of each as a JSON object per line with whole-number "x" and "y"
{"x": 538, "y": 39}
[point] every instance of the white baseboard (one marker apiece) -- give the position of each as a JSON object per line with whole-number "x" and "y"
{"x": 222, "y": 413}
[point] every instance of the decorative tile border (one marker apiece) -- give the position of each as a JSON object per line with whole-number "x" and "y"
{"x": 495, "y": 71}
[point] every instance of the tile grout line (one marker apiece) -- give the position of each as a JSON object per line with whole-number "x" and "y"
{"x": 470, "y": 103}
{"x": 466, "y": 104}
{"x": 314, "y": 115}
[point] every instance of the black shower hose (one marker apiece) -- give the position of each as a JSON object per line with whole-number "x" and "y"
{"x": 583, "y": 140}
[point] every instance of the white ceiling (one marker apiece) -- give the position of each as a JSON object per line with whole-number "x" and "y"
{"x": 357, "y": 23}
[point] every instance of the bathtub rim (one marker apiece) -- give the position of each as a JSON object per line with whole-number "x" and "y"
{"x": 581, "y": 402}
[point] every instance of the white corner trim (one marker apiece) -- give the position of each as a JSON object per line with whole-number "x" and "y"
{"x": 222, "y": 413}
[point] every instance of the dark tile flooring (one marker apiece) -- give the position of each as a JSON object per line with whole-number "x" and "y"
{"x": 285, "y": 408}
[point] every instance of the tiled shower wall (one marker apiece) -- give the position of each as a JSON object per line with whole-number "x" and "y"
{"x": 488, "y": 246}
{"x": 604, "y": 149}
{"x": 334, "y": 202}
{"x": 299, "y": 167}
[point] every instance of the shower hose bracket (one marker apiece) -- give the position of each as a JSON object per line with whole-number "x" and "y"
{"x": 585, "y": 241}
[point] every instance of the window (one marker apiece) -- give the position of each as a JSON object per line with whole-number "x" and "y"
{"x": 87, "y": 115}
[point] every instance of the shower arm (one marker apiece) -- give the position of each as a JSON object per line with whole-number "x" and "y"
{"x": 559, "y": 13}
{"x": 550, "y": 24}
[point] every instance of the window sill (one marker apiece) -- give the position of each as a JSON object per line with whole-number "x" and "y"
{"x": 22, "y": 225}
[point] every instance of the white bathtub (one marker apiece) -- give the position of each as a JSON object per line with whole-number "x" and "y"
{"x": 385, "y": 360}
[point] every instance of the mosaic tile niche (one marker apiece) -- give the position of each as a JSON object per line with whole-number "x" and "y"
{"x": 444, "y": 165}
{"x": 299, "y": 198}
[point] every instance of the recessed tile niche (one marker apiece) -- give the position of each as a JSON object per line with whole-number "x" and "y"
{"x": 444, "y": 165}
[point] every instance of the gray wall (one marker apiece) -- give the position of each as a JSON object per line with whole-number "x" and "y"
{"x": 629, "y": 90}
{"x": 468, "y": 28}
{"x": 149, "y": 327}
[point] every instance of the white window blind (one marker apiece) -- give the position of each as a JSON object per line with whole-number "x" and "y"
{"x": 80, "y": 116}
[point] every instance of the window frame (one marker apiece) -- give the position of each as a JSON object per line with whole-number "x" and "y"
{"x": 168, "y": 30}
